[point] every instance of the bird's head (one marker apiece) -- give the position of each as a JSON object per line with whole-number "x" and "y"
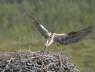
{"x": 51, "y": 34}
{"x": 50, "y": 40}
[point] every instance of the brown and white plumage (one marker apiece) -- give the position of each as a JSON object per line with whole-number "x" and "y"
{"x": 65, "y": 38}
{"x": 74, "y": 36}
{"x": 44, "y": 32}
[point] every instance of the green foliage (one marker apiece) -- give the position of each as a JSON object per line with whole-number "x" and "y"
{"x": 17, "y": 31}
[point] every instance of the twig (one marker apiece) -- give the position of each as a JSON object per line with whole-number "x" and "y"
{"x": 7, "y": 64}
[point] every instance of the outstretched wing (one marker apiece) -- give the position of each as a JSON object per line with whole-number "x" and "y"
{"x": 44, "y": 32}
{"x": 73, "y": 37}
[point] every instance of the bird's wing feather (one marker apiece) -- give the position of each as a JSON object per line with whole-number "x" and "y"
{"x": 44, "y": 32}
{"x": 43, "y": 28}
{"x": 73, "y": 37}
{"x": 61, "y": 35}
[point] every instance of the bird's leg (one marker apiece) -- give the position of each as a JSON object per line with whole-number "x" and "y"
{"x": 57, "y": 46}
{"x": 49, "y": 42}
{"x": 45, "y": 49}
{"x": 61, "y": 49}
{"x": 60, "y": 56}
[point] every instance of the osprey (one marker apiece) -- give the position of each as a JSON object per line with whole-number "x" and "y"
{"x": 65, "y": 38}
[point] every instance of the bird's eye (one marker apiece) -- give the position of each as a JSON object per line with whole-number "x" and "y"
{"x": 50, "y": 37}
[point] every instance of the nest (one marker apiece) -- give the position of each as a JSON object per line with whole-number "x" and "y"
{"x": 40, "y": 61}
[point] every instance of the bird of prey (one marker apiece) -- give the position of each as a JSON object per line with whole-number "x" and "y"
{"x": 65, "y": 38}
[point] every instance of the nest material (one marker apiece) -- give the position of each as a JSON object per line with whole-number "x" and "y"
{"x": 28, "y": 61}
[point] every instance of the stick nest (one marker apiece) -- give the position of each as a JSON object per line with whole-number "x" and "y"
{"x": 40, "y": 61}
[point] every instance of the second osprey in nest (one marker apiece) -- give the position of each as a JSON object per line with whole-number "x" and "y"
{"x": 65, "y": 38}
